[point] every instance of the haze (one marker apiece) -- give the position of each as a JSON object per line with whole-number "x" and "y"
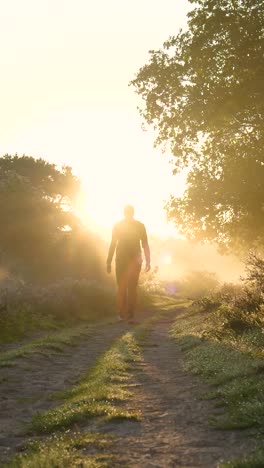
{"x": 65, "y": 97}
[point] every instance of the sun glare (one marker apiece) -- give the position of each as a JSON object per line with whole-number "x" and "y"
{"x": 99, "y": 212}
{"x": 167, "y": 259}
{"x": 86, "y": 114}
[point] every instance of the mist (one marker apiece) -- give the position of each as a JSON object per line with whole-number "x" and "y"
{"x": 175, "y": 258}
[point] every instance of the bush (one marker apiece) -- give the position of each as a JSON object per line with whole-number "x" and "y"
{"x": 27, "y": 307}
{"x": 198, "y": 284}
{"x": 255, "y": 271}
{"x": 80, "y": 299}
{"x": 208, "y": 303}
{"x": 239, "y": 307}
{"x": 150, "y": 284}
{"x": 248, "y": 301}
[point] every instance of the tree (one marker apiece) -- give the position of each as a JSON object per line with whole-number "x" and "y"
{"x": 203, "y": 94}
{"x": 41, "y": 237}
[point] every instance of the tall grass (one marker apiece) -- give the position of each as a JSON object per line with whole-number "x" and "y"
{"x": 25, "y": 308}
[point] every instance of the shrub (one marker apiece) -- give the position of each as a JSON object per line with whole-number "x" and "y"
{"x": 208, "y": 303}
{"x": 239, "y": 307}
{"x": 249, "y": 300}
{"x": 26, "y": 307}
{"x": 255, "y": 271}
{"x": 149, "y": 283}
{"x": 197, "y": 284}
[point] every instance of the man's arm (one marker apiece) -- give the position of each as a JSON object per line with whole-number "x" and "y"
{"x": 145, "y": 245}
{"x": 111, "y": 250}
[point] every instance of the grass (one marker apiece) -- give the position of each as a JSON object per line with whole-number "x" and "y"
{"x": 66, "y": 451}
{"x": 24, "y": 322}
{"x": 54, "y": 342}
{"x": 166, "y": 303}
{"x": 97, "y": 394}
{"x": 28, "y": 308}
{"x": 232, "y": 366}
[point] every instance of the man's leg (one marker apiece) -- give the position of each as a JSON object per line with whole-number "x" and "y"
{"x": 133, "y": 276}
{"x": 121, "y": 279}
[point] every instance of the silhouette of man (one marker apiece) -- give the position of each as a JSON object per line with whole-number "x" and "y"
{"x": 128, "y": 236}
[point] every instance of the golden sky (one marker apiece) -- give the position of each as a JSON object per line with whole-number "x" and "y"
{"x": 65, "y": 69}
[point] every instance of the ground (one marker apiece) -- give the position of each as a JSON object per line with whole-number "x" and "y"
{"x": 174, "y": 426}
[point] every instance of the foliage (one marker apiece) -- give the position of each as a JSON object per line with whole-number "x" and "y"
{"x": 33, "y": 195}
{"x": 64, "y": 451}
{"x": 208, "y": 303}
{"x": 42, "y": 239}
{"x": 197, "y": 283}
{"x": 255, "y": 271}
{"x": 233, "y": 365}
{"x": 203, "y": 93}
{"x": 55, "y": 341}
{"x": 238, "y": 308}
{"x": 27, "y": 307}
{"x": 244, "y": 311}
{"x": 150, "y": 283}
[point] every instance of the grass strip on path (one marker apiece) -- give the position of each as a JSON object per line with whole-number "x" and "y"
{"x": 104, "y": 386}
{"x": 68, "y": 450}
{"x": 99, "y": 394}
{"x": 235, "y": 373}
{"x": 51, "y": 342}
{"x": 55, "y": 342}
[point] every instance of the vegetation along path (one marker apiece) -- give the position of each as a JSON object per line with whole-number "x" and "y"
{"x": 138, "y": 406}
{"x": 32, "y": 373}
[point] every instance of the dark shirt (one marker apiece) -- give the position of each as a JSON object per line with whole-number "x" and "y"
{"x": 127, "y": 238}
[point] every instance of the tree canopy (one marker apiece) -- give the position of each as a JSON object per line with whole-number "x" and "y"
{"x": 41, "y": 237}
{"x": 203, "y": 93}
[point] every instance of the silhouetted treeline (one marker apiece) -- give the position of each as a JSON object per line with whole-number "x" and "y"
{"x": 41, "y": 238}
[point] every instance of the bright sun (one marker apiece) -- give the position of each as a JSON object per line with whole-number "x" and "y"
{"x": 100, "y": 213}
{"x": 167, "y": 259}
{"x": 133, "y": 173}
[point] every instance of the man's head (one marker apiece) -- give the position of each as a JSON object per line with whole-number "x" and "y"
{"x": 129, "y": 212}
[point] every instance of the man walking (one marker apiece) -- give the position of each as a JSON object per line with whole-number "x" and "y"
{"x": 128, "y": 237}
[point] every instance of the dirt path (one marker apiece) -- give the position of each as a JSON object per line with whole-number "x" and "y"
{"x": 26, "y": 387}
{"x": 174, "y": 431}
